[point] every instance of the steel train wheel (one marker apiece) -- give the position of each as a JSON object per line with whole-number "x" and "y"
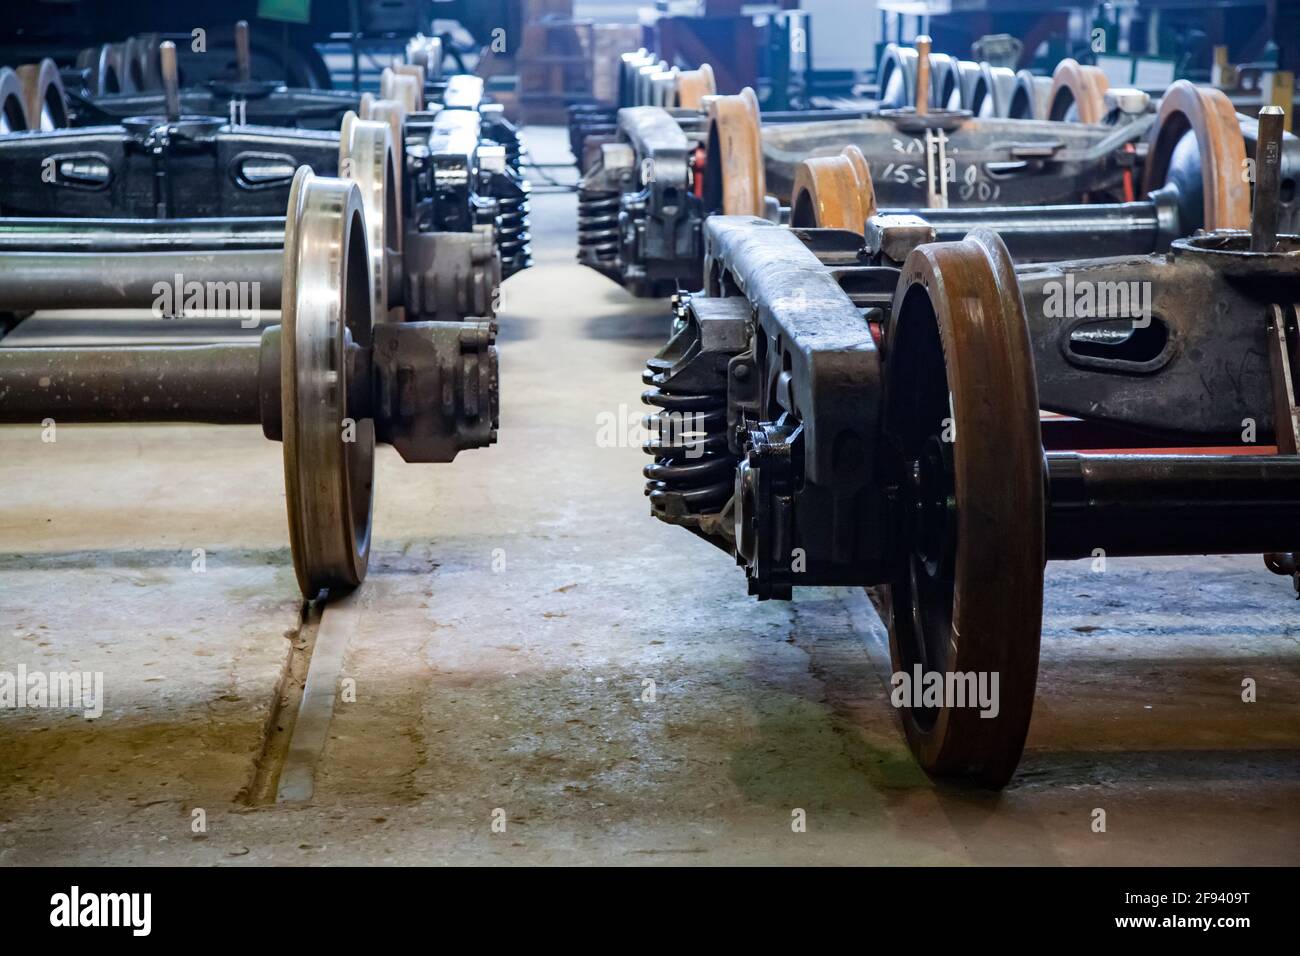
{"x": 146, "y": 65}
{"x": 968, "y": 74}
{"x": 325, "y": 305}
{"x": 393, "y": 114}
{"x": 418, "y": 73}
{"x": 402, "y": 87}
{"x": 1197, "y": 143}
{"x": 896, "y": 78}
{"x": 968, "y": 590}
{"x": 366, "y": 157}
{"x": 102, "y": 64}
{"x": 833, "y": 192}
{"x": 735, "y": 183}
{"x": 13, "y": 108}
{"x": 1031, "y": 96}
{"x": 694, "y": 85}
{"x": 119, "y": 55}
{"x": 47, "y": 107}
{"x": 992, "y": 92}
{"x": 1078, "y": 93}
{"x": 945, "y": 81}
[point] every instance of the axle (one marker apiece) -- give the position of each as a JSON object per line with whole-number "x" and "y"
{"x": 1050, "y": 233}
{"x": 430, "y": 387}
{"x": 216, "y": 384}
{"x": 92, "y": 280}
{"x": 140, "y": 235}
{"x": 1171, "y": 504}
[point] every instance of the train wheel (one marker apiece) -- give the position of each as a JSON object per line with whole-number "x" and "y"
{"x": 1196, "y": 144}
{"x": 392, "y": 113}
{"x": 1078, "y": 93}
{"x": 896, "y": 78}
{"x": 961, "y": 424}
{"x": 694, "y": 85}
{"x": 833, "y": 192}
{"x": 402, "y": 87}
{"x": 47, "y": 107}
{"x": 13, "y": 108}
{"x": 734, "y": 180}
{"x": 366, "y": 157}
{"x": 329, "y": 459}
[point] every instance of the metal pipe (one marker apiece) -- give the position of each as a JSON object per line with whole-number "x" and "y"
{"x": 1171, "y": 504}
{"x": 1268, "y": 179}
{"x": 216, "y": 384}
{"x": 237, "y": 282}
{"x": 1049, "y": 233}
{"x": 140, "y": 235}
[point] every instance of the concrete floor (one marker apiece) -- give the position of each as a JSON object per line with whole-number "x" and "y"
{"x": 517, "y": 600}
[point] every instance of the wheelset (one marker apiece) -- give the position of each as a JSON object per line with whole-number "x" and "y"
{"x": 961, "y": 429}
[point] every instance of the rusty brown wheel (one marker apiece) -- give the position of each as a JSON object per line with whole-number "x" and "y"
{"x": 961, "y": 426}
{"x": 1078, "y": 93}
{"x": 694, "y": 85}
{"x": 13, "y": 108}
{"x": 43, "y": 97}
{"x": 833, "y": 192}
{"x": 734, "y": 180}
{"x": 1196, "y": 145}
{"x": 325, "y": 312}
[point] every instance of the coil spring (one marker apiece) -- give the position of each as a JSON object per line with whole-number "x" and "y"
{"x": 513, "y": 238}
{"x": 588, "y": 119}
{"x": 689, "y": 444}
{"x": 597, "y": 225}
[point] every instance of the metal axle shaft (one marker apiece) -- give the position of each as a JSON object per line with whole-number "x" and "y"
{"x": 1050, "y": 233}
{"x": 216, "y": 384}
{"x": 1171, "y": 504}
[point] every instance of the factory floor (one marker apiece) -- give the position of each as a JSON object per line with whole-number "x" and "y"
{"x": 497, "y": 661}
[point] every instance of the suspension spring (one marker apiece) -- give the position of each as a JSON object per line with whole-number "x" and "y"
{"x": 513, "y": 237}
{"x": 597, "y": 225}
{"x": 693, "y": 471}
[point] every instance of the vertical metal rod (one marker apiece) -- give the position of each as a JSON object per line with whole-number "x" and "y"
{"x": 1268, "y": 179}
{"x": 922, "y": 75}
{"x": 243, "y": 52}
{"x": 929, "y": 170}
{"x": 942, "y": 141}
{"x": 170, "y": 79}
